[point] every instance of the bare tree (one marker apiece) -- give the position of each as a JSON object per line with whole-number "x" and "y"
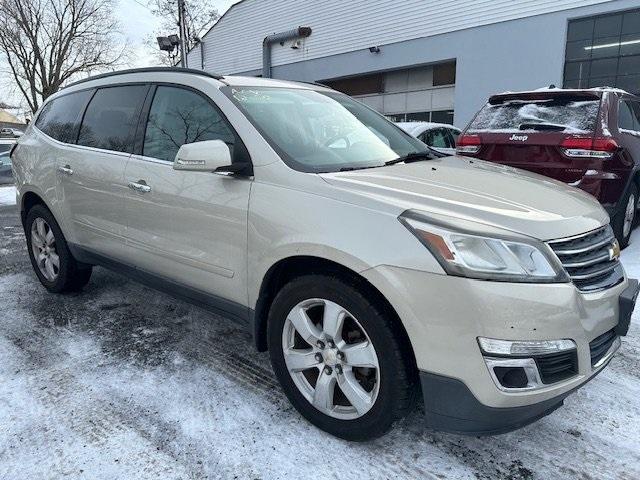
{"x": 47, "y": 43}
{"x": 201, "y": 15}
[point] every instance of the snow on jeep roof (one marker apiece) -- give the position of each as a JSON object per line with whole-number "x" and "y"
{"x": 553, "y": 89}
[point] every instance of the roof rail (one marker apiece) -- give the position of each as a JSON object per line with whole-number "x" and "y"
{"x": 191, "y": 71}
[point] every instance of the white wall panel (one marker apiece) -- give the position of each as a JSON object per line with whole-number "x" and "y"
{"x": 373, "y": 101}
{"x": 419, "y": 101}
{"x": 234, "y": 44}
{"x": 395, "y": 102}
{"x": 442, "y": 98}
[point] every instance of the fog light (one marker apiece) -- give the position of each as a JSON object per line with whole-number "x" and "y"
{"x": 511, "y": 374}
{"x": 511, "y": 377}
{"x": 521, "y": 348}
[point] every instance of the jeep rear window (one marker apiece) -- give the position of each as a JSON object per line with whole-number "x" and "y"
{"x": 567, "y": 114}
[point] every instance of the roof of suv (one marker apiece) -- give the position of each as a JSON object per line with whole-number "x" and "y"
{"x": 541, "y": 92}
{"x": 228, "y": 80}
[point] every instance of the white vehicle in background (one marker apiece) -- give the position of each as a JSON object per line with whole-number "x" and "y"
{"x": 10, "y": 132}
{"x": 441, "y": 137}
{"x": 6, "y": 175}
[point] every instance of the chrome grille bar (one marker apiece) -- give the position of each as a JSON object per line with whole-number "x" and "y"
{"x": 588, "y": 259}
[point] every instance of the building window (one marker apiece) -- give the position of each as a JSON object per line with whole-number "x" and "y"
{"x": 604, "y": 51}
{"x": 442, "y": 116}
{"x": 436, "y": 116}
{"x": 363, "y": 85}
{"x": 444, "y": 74}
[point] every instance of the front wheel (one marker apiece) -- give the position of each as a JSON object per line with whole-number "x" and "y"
{"x": 624, "y": 221}
{"x": 339, "y": 357}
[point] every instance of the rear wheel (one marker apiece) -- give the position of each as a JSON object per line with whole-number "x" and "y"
{"x": 625, "y": 220}
{"x": 339, "y": 358}
{"x": 50, "y": 257}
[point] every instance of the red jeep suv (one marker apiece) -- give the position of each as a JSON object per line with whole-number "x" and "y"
{"x": 589, "y": 139}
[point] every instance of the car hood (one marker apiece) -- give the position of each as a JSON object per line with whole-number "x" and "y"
{"x": 479, "y": 191}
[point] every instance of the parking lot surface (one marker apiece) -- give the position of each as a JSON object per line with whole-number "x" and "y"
{"x": 120, "y": 381}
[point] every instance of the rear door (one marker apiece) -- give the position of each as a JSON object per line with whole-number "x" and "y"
{"x": 527, "y": 131}
{"x": 92, "y": 173}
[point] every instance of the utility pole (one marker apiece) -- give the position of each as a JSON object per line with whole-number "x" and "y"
{"x": 182, "y": 26}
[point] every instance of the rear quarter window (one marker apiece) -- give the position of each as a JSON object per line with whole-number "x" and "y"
{"x": 60, "y": 117}
{"x": 571, "y": 115}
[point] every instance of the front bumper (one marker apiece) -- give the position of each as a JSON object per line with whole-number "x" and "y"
{"x": 451, "y": 407}
{"x": 444, "y": 316}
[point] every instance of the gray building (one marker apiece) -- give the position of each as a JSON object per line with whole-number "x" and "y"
{"x": 430, "y": 59}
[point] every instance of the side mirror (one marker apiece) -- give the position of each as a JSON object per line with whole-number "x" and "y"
{"x": 207, "y": 156}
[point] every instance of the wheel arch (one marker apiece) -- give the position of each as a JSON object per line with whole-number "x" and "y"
{"x": 292, "y": 267}
{"x": 28, "y": 199}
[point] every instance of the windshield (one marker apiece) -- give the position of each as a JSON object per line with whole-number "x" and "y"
{"x": 318, "y": 131}
{"x": 571, "y": 115}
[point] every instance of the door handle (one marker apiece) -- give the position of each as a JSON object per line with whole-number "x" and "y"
{"x": 140, "y": 186}
{"x": 66, "y": 170}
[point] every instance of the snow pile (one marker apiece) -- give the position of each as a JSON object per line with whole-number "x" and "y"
{"x": 7, "y": 196}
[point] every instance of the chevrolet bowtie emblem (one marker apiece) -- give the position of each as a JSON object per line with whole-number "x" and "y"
{"x": 614, "y": 251}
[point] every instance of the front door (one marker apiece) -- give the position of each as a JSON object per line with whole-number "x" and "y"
{"x": 92, "y": 172}
{"x": 188, "y": 227}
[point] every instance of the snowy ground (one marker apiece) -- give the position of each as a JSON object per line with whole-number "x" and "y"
{"x": 122, "y": 382}
{"x": 7, "y": 195}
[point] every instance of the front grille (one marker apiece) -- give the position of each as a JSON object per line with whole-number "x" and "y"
{"x": 599, "y": 346}
{"x": 587, "y": 259}
{"x": 557, "y": 366}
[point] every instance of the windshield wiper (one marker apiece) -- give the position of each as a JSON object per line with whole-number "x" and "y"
{"x": 552, "y": 127}
{"x": 412, "y": 157}
{"x": 350, "y": 169}
{"x": 408, "y": 158}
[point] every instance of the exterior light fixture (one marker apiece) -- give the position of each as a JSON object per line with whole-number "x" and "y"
{"x": 164, "y": 43}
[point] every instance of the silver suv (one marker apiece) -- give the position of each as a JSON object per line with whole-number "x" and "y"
{"x": 371, "y": 268}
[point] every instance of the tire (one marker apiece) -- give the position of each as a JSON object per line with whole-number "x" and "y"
{"x": 389, "y": 390}
{"x": 625, "y": 220}
{"x": 68, "y": 275}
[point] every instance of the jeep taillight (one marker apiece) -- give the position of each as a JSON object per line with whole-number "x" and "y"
{"x": 588, "y": 147}
{"x": 468, "y": 144}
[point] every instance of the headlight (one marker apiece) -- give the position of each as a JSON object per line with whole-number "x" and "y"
{"x": 467, "y": 254}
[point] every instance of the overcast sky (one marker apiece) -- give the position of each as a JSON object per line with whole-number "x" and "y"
{"x": 137, "y": 23}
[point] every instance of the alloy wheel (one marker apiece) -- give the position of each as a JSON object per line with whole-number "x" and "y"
{"x": 629, "y": 215}
{"x": 43, "y": 246}
{"x": 331, "y": 359}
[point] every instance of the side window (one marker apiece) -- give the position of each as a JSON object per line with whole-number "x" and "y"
{"x": 178, "y": 116}
{"x": 635, "y": 107}
{"x": 60, "y": 117}
{"x": 626, "y": 117}
{"x": 111, "y": 118}
{"x": 437, "y": 138}
{"x": 454, "y": 136}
